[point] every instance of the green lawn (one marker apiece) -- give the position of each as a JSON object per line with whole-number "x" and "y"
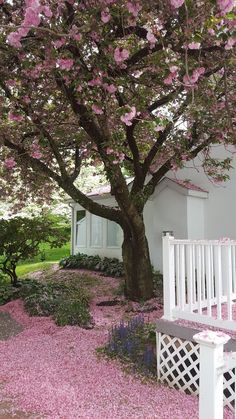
{"x": 50, "y": 255}
{"x": 25, "y": 269}
{"x": 44, "y": 260}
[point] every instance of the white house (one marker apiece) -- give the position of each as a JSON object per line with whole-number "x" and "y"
{"x": 192, "y": 209}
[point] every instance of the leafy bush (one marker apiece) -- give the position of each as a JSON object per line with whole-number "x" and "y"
{"x": 67, "y": 303}
{"x": 109, "y": 266}
{"x": 20, "y": 239}
{"x": 73, "y": 312}
{"x": 134, "y": 342}
{"x": 8, "y": 293}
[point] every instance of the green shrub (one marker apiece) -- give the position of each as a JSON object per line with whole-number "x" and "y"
{"x": 73, "y": 312}
{"x": 67, "y": 303}
{"x": 8, "y": 293}
{"x": 109, "y": 266}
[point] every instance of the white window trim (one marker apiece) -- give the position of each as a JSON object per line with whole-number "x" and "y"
{"x": 110, "y": 247}
{"x": 81, "y": 246}
{"x": 95, "y": 246}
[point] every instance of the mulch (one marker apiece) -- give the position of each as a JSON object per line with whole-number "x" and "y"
{"x": 8, "y": 326}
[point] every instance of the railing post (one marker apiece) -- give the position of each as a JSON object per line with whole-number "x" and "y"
{"x": 211, "y": 378}
{"x": 168, "y": 276}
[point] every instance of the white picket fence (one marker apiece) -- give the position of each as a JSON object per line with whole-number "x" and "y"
{"x": 214, "y": 363}
{"x": 200, "y": 281}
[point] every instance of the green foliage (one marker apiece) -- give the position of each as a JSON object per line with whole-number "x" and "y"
{"x": 66, "y": 303}
{"x": 7, "y": 293}
{"x": 157, "y": 283}
{"x": 20, "y": 239}
{"x": 134, "y": 343}
{"x": 73, "y": 312}
{"x": 109, "y": 266}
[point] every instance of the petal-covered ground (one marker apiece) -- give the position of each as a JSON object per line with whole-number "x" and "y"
{"x": 55, "y": 372}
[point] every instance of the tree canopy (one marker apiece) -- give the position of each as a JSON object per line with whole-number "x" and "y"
{"x": 146, "y": 85}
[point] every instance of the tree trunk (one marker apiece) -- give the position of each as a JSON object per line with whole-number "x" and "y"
{"x": 137, "y": 265}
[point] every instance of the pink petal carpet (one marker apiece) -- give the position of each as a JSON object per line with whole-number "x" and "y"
{"x": 55, "y": 372}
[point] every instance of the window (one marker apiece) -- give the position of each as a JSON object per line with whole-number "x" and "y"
{"x": 113, "y": 234}
{"x": 81, "y": 228}
{"x": 96, "y": 231}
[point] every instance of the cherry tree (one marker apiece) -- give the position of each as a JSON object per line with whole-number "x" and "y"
{"x": 145, "y": 85}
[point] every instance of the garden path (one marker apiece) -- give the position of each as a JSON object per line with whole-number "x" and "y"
{"x": 55, "y": 372}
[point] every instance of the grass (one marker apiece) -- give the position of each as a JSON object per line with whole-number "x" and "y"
{"x": 44, "y": 260}
{"x": 25, "y": 269}
{"x": 47, "y": 254}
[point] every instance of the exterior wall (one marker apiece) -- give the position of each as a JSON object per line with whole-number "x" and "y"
{"x": 195, "y": 217}
{"x": 167, "y": 211}
{"x": 220, "y": 207}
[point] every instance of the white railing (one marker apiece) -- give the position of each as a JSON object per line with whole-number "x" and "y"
{"x": 213, "y": 364}
{"x": 200, "y": 280}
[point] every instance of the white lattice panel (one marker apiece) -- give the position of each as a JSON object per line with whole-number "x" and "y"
{"x": 178, "y": 366}
{"x": 229, "y": 389}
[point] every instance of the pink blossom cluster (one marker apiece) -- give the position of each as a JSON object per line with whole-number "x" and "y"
{"x": 176, "y": 3}
{"x": 194, "y": 45}
{"x": 32, "y": 18}
{"x": 134, "y": 8}
{"x": 10, "y": 163}
{"x": 120, "y": 55}
{"x": 105, "y": 15}
{"x": 128, "y": 117}
{"x": 97, "y": 110}
{"x": 151, "y": 38}
{"x": 15, "y": 117}
{"x": 118, "y": 156}
{"x": 226, "y": 6}
{"x": 65, "y": 63}
{"x": 193, "y": 79}
{"x": 172, "y": 75}
{"x": 36, "y": 152}
{"x": 230, "y": 43}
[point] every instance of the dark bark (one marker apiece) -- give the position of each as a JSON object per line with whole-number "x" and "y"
{"x": 137, "y": 265}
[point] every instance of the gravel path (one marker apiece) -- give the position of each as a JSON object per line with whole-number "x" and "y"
{"x": 8, "y": 326}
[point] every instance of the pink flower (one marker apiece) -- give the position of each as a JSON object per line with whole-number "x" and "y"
{"x": 120, "y": 55}
{"x": 230, "y": 43}
{"x": 110, "y": 88}
{"x": 14, "y": 39}
{"x": 129, "y": 116}
{"x": 36, "y": 151}
{"x": 47, "y": 11}
{"x": 176, "y": 3}
{"x": 151, "y": 38}
{"x": 59, "y": 42}
{"x": 191, "y": 80}
{"x": 65, "y": 63}
{"x": 172, "y": 75}
{"x": 96, "y": 109}
{"x": 194, "y": 45}
{"x": 134, "y": 8}
{"x": 10, "y": 163}
{"x": 159, "y": 128}
{"x": 32, "y": 17}
{"x": 168, "y": 80}
{"x": 15, "y": 117}
{"x": 95, "y": 82}
{"x": 226, "y": 6}
{"x": 105, "y": 15}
